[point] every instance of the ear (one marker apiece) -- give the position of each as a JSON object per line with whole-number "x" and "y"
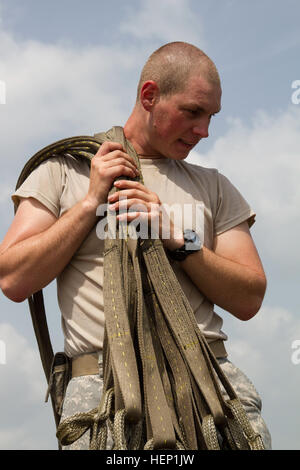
{"x": 149, "y": 94}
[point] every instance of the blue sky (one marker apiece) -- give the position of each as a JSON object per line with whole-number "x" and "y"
{"x": 71, "y": 68}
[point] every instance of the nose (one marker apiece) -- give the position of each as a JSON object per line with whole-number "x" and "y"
{"x": 201, "y": 131}
{"x": 201, "y": 128}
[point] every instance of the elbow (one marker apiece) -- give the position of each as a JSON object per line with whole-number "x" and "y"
{"x": 12, "y": 292}
{"x": 252, "y": 305}
{"x": 254, "y": 302}
{"x": 247, "y": 310}
{"x": 250, "y": 310}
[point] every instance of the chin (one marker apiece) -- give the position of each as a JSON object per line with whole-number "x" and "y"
{"x": 176, "y": 153}
{"x": 181, "y": 155}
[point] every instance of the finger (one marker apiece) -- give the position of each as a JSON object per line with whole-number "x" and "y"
{"x": 131, "y": 205}
{"x": 107, "y": 147}
{"x": 111, "y": 157}
{"x": 114, "y": 172}
{"x": 130, "y": 194}
{"x": 122, "y": 162}
{"x": 118, "y": 154}
{"x": 129, "y": 216}
{"x": 122, "y": 184}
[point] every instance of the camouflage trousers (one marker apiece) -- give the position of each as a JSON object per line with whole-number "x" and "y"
{"x": 83, "y": 394}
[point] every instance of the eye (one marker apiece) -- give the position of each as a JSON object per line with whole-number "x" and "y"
{"x": 192, "y": 112}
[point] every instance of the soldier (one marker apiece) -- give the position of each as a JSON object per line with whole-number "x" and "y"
{"x": 53, "y": 234}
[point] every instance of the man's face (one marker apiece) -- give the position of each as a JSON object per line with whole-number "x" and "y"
{"x": 178, "y": 122}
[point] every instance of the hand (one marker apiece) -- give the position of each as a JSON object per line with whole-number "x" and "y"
{"x": 134, "y": 201}
{"x": 109, "y": 163}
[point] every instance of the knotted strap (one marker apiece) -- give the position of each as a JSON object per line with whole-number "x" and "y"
{"x": 161, "y": 388}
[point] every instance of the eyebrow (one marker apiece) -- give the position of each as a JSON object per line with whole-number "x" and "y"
{"x": 197, "y": 108}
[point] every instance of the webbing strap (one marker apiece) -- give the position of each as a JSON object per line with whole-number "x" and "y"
{"x": 183, "y": 328}
{"x": 119, "y": 335}
{"x": 160, "y": 376}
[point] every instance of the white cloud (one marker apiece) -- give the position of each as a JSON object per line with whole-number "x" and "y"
{"x": 5, "y": 191}
{"x": 21, "y": 360}
{"x": 262, "y": 160}
{"x": 167, "y": 20}
{"x": 52, "y": 87}
{"x": 262, "y": 348}
{"x": 56, "y": 90}
{"x": 26, "y": 421}
{"x": 272, "y": 331}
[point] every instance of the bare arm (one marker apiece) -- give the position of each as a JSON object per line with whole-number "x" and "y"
{"x": 38, "y": 246}
{"x": 231, "y": 275}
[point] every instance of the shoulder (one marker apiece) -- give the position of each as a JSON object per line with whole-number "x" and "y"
{"x": 198, "y": 171}
{"x": 212, "y": 177}
{"x": 55, "y": 171}
{"x": 60, "y": 162}
{"x": 205, "y": 178}
{"x": 67, "y": 152}
{"x": 228, "y": 205}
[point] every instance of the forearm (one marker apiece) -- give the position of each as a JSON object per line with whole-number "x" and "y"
{"x": 31, "y": 264}
{"x": 232, "y": 286}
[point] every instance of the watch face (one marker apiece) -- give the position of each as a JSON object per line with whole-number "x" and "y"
{"x": 192, "y": 244}
{"x": 189, "y": 234}
{"x": 192, "y": 241}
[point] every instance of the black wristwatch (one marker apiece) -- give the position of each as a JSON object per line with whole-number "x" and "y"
{"x": 191, "y": 245}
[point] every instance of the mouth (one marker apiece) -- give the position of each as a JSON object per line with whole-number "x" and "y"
{"x": 187, "y": 144}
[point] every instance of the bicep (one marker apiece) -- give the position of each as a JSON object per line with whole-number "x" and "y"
{"x": 31, "y": 218}
{"x": 237, "y": 245}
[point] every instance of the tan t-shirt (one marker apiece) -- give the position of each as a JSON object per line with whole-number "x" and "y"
{"x": 204, "y": 199}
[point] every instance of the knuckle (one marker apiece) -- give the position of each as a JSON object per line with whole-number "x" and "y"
{"x": 137, "y": 203}
{"x": 108, "y": 147}
{"x": 103, "y": 149}
{"x": 94, "y": 164}
{"x": 117, "y": 154}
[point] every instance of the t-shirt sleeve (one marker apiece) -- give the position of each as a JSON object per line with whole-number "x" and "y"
{"x": 45, "y": 184}
{"x": 232, "y": 208}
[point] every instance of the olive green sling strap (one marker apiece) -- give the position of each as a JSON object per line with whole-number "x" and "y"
{"x": 161, "y": 380}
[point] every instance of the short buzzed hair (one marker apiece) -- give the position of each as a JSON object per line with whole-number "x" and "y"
{"x": 171, "y": 65}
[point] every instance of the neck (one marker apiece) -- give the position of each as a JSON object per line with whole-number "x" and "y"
{"x": 135, "y": 130}
{"x": 149, "y": 156}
